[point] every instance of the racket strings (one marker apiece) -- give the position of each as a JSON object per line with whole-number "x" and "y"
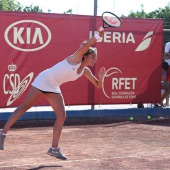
{"x": 111, "y": 20}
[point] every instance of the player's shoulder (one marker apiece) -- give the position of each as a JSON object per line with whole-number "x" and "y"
{"x": 87, "y": 70}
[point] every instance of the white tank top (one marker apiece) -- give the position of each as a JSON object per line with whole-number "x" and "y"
{"x": 52, "y": 78}
{"x": 63, "y": 72}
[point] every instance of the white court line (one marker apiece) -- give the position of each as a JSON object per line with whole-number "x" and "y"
{"x": 66, "y": 161}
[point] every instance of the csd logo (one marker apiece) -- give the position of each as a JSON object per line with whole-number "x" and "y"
{"x": 27, "y": 35}
{"x": 13, "y": 85}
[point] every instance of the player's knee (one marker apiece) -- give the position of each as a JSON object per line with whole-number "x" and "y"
{"x": 61, "y": 118}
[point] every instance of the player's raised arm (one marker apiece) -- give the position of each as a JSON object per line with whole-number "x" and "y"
{"x": 78, "y": 55}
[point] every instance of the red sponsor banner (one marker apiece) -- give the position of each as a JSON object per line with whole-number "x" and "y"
{"x": 33, "y": 42}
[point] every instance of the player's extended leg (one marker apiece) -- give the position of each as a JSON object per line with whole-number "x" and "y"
{"x": 57, "y": 103}
{"x": 29, "y": 101}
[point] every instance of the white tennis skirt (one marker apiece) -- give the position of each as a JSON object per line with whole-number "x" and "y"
{"x": 42, "y": 83}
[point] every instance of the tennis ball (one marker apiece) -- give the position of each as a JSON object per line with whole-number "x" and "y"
{"x": 148, "y": 117}
{"x": 131, "y": 118}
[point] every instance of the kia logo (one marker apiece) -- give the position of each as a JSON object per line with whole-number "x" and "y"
{"x": 27, "y": 35}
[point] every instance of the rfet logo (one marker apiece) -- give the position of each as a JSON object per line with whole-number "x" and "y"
{"x": 27, "y": 35}
{"x": 118, "y": 86}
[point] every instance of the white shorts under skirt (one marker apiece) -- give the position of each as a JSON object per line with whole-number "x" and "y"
{"x": 43, "y": 84}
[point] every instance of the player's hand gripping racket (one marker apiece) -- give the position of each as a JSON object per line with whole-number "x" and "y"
{"x": 111, "y": 20}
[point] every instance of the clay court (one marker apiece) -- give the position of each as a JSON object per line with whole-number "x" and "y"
{"x": 113, "y": 146}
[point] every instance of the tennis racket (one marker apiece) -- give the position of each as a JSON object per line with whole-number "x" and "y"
{"x": 111, "y": 20}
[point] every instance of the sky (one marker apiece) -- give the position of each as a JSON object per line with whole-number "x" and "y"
{"x": 86, "y": 7}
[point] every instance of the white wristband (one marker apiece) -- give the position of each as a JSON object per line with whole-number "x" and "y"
{"x": 97, "y": 36}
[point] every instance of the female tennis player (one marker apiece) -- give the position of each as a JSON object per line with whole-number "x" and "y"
{"x": 48, "y": 83}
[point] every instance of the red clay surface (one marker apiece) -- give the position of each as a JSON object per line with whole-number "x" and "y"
{"x": 115, "y": 146}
